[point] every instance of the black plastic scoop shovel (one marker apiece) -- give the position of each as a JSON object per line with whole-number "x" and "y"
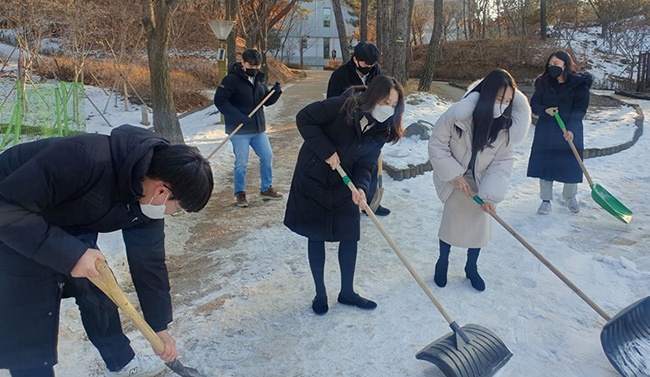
{"x": 470, "y": 350}
{"x": 625, "y": 338}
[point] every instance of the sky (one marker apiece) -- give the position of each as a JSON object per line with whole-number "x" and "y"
{"x": 256, "y": 320}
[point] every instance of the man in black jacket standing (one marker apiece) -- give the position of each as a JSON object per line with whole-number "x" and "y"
{"x": 359, "y": 70}
{"x": 56, "y": 195}
{"x": 236, "y": 96}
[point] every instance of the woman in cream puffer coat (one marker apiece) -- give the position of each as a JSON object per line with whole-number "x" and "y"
{"x": 471, "y": 153}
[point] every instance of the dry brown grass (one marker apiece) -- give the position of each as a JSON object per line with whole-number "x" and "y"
{"x": 469, "y": 60}
{"x": 190, "y": 76}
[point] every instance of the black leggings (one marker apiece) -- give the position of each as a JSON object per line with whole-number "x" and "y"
{"x": 347, "y": 263}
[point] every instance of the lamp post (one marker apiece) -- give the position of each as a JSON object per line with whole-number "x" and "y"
{"x": 221, "y": 29}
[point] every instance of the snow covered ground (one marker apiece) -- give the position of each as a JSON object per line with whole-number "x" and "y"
{"x": 257, "y": 320}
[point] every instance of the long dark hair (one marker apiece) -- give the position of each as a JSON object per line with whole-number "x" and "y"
{"x": 482, "y": 117}
{"x": 378, "y": 89}
{"x": 569, "y": 68}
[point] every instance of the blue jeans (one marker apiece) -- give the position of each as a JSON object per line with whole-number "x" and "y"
{"x": 241, "y": 145}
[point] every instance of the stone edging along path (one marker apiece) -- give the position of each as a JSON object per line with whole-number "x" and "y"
{"x": 415, "y": 170}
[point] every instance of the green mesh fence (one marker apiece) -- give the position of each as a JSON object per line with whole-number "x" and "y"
{"x": 40, "y": 111}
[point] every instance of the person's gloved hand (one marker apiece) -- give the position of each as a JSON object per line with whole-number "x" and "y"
{"x": 277, "y": 87}
{"x": 245, "y": 120}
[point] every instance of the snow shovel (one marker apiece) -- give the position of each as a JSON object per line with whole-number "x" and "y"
{"x": 107, "y": 283}
{"x": 224, "y": 141}
{"x": 379, "y": 193}
{"x": 469, "y": 351}
{"x": 624, "y": 338}
{"x": 598, "y": 193}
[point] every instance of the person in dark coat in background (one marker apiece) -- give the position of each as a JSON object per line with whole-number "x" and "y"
{"x": 560, "y": 88}
{"x": 56, "y": 195}
{"x": 237, "y": 95}
{"x": 359, "y": 70}
{"x": 349, "y": 130}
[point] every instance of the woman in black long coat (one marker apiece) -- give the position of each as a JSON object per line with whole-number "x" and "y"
{"x": 349, "y": 130}
{"x": 560, "y": 88}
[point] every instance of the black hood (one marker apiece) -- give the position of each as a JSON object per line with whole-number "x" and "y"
{"x": 131, "y": 152}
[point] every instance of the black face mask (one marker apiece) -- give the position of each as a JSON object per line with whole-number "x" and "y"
{"x": 251, "y": 72}
{"x": 555, "y": 71}
{"x": 364, "y": 70}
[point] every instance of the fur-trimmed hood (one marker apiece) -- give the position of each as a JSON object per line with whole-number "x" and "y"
{"x": 521, "y": 113}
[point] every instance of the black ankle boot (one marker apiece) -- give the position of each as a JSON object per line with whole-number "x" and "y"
{"x": 472, "y": 274}
{"x": 319, "y": 305}
{"x": 440, "y": 277}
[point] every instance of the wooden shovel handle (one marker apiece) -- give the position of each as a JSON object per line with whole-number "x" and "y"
{"x": 108, "y": 284}
{"x": 396, "y": 249}
{"x": 560, "y": 122}
{"x": 548, "y": 264}
{"x": 224, "y": 141}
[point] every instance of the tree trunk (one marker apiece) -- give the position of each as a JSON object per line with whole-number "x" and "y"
{"x": 363, "y": 21}
{"x": 432, "y": 52}
{"x": 232, "y": 9}
{"x": 399, "y": 41}
{"x": 383, "y": 32}
{"x": 157, "y": 21}
{"x": 340, "y": 28}
{"x": 542, "y": 19}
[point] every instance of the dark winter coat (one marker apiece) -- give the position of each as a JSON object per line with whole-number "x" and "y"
{"x": 55, "y": 196}
{"x": 346, "y": 76}
{"x": 236, "y": 97}
{"x": 320, "y": 205}
{"x": 551, "y": 157}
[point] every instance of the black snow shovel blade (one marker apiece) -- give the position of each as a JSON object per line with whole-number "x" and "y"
{"x": 482, "y": 356}
{"x": 626, "y": 340}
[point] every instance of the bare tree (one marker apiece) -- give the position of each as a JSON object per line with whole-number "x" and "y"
{"x": 363, "y": 21}
{"x": 156, "y": 19}
{"x": 232, "y": 9}
{"x": 542, "y": 19}
{"x": 383, "y": 30}
{"x": 432, "y": 52}
{"x": 340, "y": 28}
{"x": 399, "y": 38}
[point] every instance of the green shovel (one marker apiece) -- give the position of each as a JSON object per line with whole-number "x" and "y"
{"x": 598, "y": 193}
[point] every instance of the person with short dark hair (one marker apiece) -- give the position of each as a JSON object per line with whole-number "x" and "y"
{"x": 237, "y": 95}
{"x": 56, "y": 196}
{"x": 559, "y": 88}
{"x": 361, "y": 69}
{"x": 349, "y": 130}
{"x": 470, "y": 150}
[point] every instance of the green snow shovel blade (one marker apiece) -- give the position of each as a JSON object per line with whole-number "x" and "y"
{"x": 482, "y": 356}
{"x": 610, "y": 203}
{"x": 598, "y": 193}
{"x": 626, "y": 340}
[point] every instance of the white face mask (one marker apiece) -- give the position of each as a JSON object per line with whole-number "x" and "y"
{"x": 382, "y": 112}
{"x": 499, "y": 108}
{"x": 152, "y": 211}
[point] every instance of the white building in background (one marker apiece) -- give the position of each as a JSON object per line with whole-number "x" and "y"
{"x": 317, "y": 30}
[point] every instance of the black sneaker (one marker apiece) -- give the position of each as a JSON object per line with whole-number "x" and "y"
{"x": 358, "y": 301}
{"x": 241, "y": 199}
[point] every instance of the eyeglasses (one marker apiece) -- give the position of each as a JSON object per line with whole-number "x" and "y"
{"x": 179, "y": 211}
